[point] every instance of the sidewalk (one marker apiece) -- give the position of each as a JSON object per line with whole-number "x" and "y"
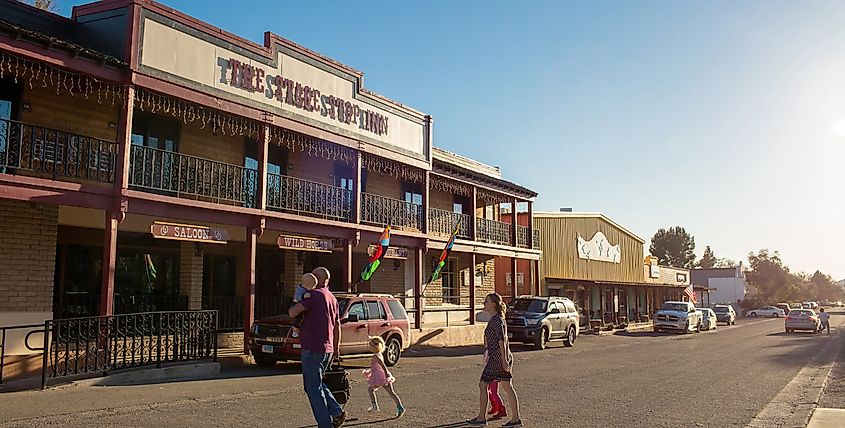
{"x": 830, "y": 412}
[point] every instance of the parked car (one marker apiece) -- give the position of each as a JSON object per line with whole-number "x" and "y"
{"x": 725, "y": 314}
{"x": 677, "y": 316}
{"x": 767, "y": 311}
{"x": 785, "y": 307}
{"x": 362, "y": 315}
{"x": 708, "y": 319}
{"x": 802, "y": 319}
{"x": 810, "y": 305}
{"x": 538, "y": 320}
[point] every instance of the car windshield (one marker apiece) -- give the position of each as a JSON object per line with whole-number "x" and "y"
{"x": 721, "y": 309}
{"x": 706, "y": 312}
{"x": 680, "y": 307}
{"x": 341, "y": 306}
{"x": 529, "y": 305}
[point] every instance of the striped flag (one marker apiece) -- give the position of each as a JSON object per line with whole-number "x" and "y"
{"x": 691, "y": 294}
{"x": 377, "y": 257}
{"x": 441, "y": 263}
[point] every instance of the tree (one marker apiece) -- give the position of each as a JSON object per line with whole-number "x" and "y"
{"x": 724, "y": 263}
{"x": 771, "y": 279}
{"x": 708, "y": 260}
{"x": 823, "y": 288}
{"x": 674, "y": 247}
{"x": 48, "y": 5}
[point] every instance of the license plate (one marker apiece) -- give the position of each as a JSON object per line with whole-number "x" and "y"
{"x": 296, "y": 346}
{"x": 510, "y": 335}
{"x": 275, "y": 339}
{"x": 268, "y": 349}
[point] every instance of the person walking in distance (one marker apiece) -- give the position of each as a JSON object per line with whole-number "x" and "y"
{"x": 824, "y": 317}
{"x": 320, "y": 339}
{"x": 379, "y": 377}
{"x": 499, "y": 362}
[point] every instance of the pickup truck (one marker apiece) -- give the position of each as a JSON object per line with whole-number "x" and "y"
{"x": 678, "y": 316}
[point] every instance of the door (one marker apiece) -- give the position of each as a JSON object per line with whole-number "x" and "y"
{"x": 377, "y": 323}
{"x": 570, "y": 318}
{"x": 555, "y": 318}
{"x": 10, "y": 94}
{"x": 354, "y": 334}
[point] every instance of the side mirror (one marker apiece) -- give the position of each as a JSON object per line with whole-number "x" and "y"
{"x": 349, "y": 318}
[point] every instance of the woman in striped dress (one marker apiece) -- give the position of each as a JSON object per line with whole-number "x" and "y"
{"x": 499, "y": 362}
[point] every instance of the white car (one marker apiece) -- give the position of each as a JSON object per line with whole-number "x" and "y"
{"x": 767, "y": 311}
{"x": 677, "y": 316}
{"x": 708, "y": 320}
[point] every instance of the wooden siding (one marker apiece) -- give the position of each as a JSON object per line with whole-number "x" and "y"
{"x": 73, "y": 114}
{"x": 558, "y": 240}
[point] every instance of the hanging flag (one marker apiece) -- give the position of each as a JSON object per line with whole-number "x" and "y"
{"x": 377, "y": 256}
{"x": 150, "y": 268}
{"x": 438, "y": 268}
{"x": 691, "y": 294}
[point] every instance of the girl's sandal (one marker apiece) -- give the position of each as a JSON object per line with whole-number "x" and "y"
{"x": 477, "y": 422}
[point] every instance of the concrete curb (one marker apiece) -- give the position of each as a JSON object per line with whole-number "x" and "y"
{"x": 201, "y": 371}
{"x": 827, "y": 418}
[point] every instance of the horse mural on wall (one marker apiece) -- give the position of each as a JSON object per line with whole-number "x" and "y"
{"x": 599, "y": 248}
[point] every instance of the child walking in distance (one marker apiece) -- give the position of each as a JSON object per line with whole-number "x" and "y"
{"x": 309, "y": 281}
{"x": 824, "y": 317}
{"x": 378, "y": 377}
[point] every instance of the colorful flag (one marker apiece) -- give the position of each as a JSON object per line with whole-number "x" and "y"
{"x": 438, "y": 268}
{"x": 691, "y": 294}
{"x": 377, "y": 256}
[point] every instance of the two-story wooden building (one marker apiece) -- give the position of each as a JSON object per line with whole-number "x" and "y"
{"x": 152, "y": 161}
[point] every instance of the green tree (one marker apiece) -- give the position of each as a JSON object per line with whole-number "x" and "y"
{"x": 708, "y": 260}
{"x": 674, "y": 247}
{"x": 771, "y": 279}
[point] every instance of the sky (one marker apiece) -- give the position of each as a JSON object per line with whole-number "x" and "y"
{"x": 724, "y": 117}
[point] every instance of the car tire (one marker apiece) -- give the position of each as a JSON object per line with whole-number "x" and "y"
{"x": 686, "y": 328}
{"x": 542, "y": 339}
{"x": 264, "y": 361}
{"x": 698, "y": 328}
{"x": 570, "y": 338}
{"x": 775, "y": 315}
{"x": 392, "y": 351}
{"x": 753, "y": 314}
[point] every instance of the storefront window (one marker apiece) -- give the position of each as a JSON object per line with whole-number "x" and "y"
{"x": 218, "y": 275}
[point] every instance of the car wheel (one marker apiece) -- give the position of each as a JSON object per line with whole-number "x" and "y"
{"x": 570, "y": 338}
{"x": 686, "y": 328}
{"x": 392, "y": 351}
{"x": 656, "y": 330}
{"x": 542, "y": 338}
{"x": 754, "y": 314}
{"x": 264, "y": 361}
{"x": 698, "y": 328}
{"x": 775, "y": 315}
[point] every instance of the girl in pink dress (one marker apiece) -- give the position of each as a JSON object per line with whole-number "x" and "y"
{"x": 378, "y": 376}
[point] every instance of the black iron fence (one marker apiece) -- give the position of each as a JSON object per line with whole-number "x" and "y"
{"x": 522, "y": 236}
{"x": 305, "y": 197}
{"x": 99, "y": 345}
{"x": 380, "y": 210}
{"x": 177, "y": 174}
{"x": 230, "y": 309}
{"x": 53, "y": 153}
{"x": 88, "y": 305}
{"x": 443, "y": 222}
{"x": 494, "y": 232}
{"x": 535, "y": 235}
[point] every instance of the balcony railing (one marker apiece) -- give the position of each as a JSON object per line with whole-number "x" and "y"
{"x": 443, "y": 222}
{"x": 494, "y": 232}
{"x": 535, "y": 235}
{"x": 379, "y": 211}
{"x": 299, "y": 196}
{"x": 53, "y": 153}
{"x": 176, "y": 174}
{"x": 230, "y": 309}
{"x": 522, "y": 236}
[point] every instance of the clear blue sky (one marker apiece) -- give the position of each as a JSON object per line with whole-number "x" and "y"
{"x": 725, "y": 117}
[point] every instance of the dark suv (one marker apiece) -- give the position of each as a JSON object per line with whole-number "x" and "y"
{"x": 540, "y": 319}
{"x": 362, "y": 315}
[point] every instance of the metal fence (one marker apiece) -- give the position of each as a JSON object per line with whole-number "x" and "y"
{"x": 380, "y": 210}
{"x": 443, "y": 222}
{"x": 305, "y": 197}
{"x": 87, "y": 305}
{"x": 494, "y": 232}
{"x": 231, "y": 309}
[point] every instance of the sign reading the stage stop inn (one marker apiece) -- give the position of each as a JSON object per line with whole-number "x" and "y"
{"x": 186, "y": 232}
{"x": 285, "y": 79}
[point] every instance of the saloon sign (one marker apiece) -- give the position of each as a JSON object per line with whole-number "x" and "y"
{"x": 186, "y": 232}
{"x": 302, "y": 243}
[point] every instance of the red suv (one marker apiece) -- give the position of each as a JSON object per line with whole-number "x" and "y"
{"x": 361, "y": 316}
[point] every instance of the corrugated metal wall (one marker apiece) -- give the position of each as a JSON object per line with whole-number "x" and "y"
{"x": 558, "y": 240}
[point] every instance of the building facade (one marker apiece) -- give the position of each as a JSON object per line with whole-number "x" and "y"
{"x": 725, "y": 286}
{"x": 151, "y": 161}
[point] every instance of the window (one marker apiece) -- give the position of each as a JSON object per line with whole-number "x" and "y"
{"x": 570, "y": 307}
{"x": 451, "y": 283}
{"x": 357, "y": 309}
{"x": 375, "y": 311}
{"x": 155, "y": 132}
{"x": 413, "y": 194}
{"x": 10, "y": 94}
{"x": 397, "y": 310}
{"x": 458, "y": 208}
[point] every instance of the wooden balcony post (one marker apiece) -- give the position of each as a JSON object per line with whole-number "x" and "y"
{"x": 514, "y": 286}
{"x": 536, "y": 278}
{"x": 356, "y": 192}
{"x": 108, "y": 268}
{"x": 514, "y": 223}
{"x": 124, "y": 142}
{"x": 348, "y": 275}
{"x": 261, "y": 182}
{"x": 249, "y": 292}
{"x": 425, "y": 214}
{"x": 418, "y": 283}
{"x": 531, "y": 225}
{"x": 473, "y": 261}
{"x": 473, "y": 226}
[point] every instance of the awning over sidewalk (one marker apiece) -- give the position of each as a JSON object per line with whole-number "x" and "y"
{"x": 588, "y": 282}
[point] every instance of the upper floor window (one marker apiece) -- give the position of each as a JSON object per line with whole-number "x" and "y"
{"x": 413, "y": 194}
{"x": 155, "y": 132}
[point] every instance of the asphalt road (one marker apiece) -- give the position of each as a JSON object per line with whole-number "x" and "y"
{"x": 721, "y": 378}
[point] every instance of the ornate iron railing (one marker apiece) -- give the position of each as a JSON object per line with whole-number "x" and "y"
{"x": 54, "y": 153}
{"x": 494, "y": 232}
{"x": 299, "y": 196}
{"x": 535, "y": 235}
{"x": 180, "y": 175}
{"x": 522, "y": 236}
{"x": 89, "y": 345}
{"x": 88, "y": 305}
{"x": 230, "y": 309}
{"x": 443, "y": 222}
{"x": 380, "y": 210}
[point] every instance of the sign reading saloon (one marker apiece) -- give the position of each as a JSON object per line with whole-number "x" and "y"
{"x": 302, "y": 243}
{"x": 185, "y": 232}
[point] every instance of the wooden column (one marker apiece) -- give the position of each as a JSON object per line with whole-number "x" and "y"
{"x": 348, "y": 275}
{"x": 109, "y": 259}
{"x": 473, "y": 261}
{"x": 356, "y": 192}
{"x": 124, "y": 141}
{"x": 261, "y": 180}
{"x": 418, "y": 283}
{"x": 425, "y": 193}
{"x": 473, "y": 226}
{"x": 536, "y": 278}
{"x": 249, "y": 291}
{"x": 514, "y": 286}
{"x": 515, "y": 240}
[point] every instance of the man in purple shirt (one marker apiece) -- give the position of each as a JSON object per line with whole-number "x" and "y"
{"x": 320, "y": 338}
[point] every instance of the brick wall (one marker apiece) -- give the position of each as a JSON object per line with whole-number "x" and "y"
{"x": 483, "y": 284}
{"x": 293, "y": 271}
{"x": 190, "y": 275}
{"x": 27, "y": 256}
{"x": 387, "y": 279}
